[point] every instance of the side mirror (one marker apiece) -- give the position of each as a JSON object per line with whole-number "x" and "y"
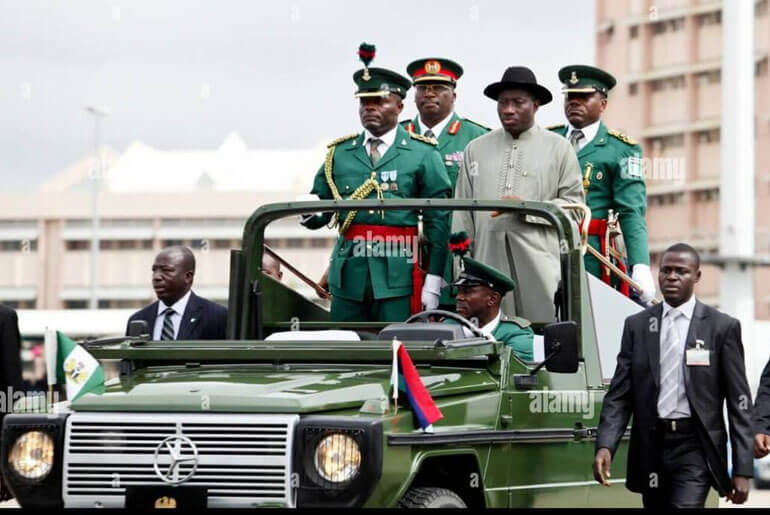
{"x": 561, "y": 347}
{"x": 138, "y": 328}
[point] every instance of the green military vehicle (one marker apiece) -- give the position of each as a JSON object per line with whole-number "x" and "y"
{"x": 272, "y": 418}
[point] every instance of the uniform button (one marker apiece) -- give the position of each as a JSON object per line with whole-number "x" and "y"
{"x": 524, "y": 174}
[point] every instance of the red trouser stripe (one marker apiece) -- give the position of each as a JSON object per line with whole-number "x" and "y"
{"x": 598, "y": 227}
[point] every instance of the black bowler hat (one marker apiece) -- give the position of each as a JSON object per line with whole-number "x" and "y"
{"x": 519, "y": 77}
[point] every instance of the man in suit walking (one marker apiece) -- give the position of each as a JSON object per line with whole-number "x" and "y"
{"x": 679, "y": 362}
{"x": 179, "y": 314}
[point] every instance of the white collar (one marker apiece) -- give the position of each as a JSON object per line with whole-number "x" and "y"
{"x": 437, "y": 129}
{"x": 685, "y": 308}
{"x": 387, "y": 139}
{"x": 178, "y": 306}
{"x": 491, "y": 325}
{"x": 589, "y": 131}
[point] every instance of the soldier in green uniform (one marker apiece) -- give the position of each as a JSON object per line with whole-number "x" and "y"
{"x": 613, "y": 178}
{"x": 373, "y": 272}
{"x": 435, "y": 81}
{"x": 480, "y": 289}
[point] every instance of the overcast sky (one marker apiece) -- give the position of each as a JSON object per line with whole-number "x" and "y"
{"x": 183, "y": 74}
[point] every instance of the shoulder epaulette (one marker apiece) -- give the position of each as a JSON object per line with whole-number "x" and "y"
{"x": 554, "y": 127}
{"x": 477, "y": 123}
{"x": 420, "y": 137}
{"x": 337, "y": 141}
{"x": 521, "y": 322}
{"x": 622, "y": 137}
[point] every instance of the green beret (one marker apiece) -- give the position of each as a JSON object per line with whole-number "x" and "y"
{"x": 477, "y": 273}
{"x": 434, "y": 69}
{"x": 379, "y": 82}
{"x": 580, "y": 78}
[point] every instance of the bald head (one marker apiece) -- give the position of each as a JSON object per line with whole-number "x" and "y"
{"x": 172, "y": 273}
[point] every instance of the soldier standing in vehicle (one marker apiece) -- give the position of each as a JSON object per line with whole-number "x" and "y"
{"x": 383, "y": 161}
{"x": 435, "y": 82}
{"x": 613, "y": 178}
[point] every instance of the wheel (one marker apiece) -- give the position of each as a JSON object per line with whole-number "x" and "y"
{"x": 431, "y": 498}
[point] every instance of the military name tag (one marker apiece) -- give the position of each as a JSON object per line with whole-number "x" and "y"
{"x": 698, "y": 357}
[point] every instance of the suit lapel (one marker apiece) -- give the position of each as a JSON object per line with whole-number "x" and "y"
{"x": 190, "y": 317}
{"x": 400, "y": 142}
{"x": 599, "y": 141}
{"x": 444, "y": 138}
{"x": 358, "y": 149}
{"x": 696, "y": 329}
{"x": 653, "y": 344}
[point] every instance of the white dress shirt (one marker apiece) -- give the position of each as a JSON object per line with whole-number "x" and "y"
{"x": 438, "y": 128}
{"x": 487, "y": 328}
{"x": 682, "y": 328}
{"x": 589, "y": 133}
{"x": 176, "y": 319}
{"x": 387, "y": 141}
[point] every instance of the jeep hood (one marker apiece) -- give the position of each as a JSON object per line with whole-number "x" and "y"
{"x": 269, "y": 389}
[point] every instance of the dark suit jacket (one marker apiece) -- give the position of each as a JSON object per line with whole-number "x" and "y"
{"x": 10, "y": 349}
{"x": 635, "y": 387}
{"x": 201, "y": 320}
{"x": 762, "y": 403}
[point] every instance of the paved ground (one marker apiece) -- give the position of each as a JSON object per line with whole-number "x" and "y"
{"x": 757, "y": 499}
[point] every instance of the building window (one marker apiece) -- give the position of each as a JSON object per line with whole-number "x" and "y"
{"x": 295, "y": 243}
{"x": 318, "y": 243}
{"x": 120, "y": 304}
{"x": 708, "y": 78}
{"x": 760, "y": 69}
{"x": 677, "y": 82}
{"x": 633, "y": 89}
{"x": 709, "y": 137}
{"x": 760, "y": 8}
{"x": 18, "y": 246}
{"x": 77, "y": 245}
{"x": 172, "y": 243}
{"x": 707, "y": 19}
{"x": 633, "y": 32}
{"x": 20, "y": 304}
{"x": 75, "y": 304}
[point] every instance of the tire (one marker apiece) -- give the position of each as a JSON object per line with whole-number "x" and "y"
{"x": 431, "y": 498}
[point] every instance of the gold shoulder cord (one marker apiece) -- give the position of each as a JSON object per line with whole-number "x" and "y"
{"x": 360, "y": 193}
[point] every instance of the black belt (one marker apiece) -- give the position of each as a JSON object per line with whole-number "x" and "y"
{"x": 675, "y": 425}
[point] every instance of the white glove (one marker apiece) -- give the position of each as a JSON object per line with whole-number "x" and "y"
{"x": 307, "y": 197}
{"x": 431, "y": 291}
{"x": 643, "y": 276}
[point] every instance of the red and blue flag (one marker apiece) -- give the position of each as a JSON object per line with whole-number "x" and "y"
{"x": 405, "y": 375}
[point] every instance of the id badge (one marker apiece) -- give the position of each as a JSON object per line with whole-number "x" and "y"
{"x": 698, "y": 357}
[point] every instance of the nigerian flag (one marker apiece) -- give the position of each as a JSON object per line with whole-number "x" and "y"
{"x": 67, "y": 362}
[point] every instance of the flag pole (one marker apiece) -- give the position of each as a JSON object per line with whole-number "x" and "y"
{"x": 51, "y": 346}
{"x": 394, "y": 375}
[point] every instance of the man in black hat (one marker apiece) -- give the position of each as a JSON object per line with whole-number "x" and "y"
{"x": 519, "y": 161}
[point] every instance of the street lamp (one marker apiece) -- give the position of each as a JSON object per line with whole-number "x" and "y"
{"x": 96, "y": 176}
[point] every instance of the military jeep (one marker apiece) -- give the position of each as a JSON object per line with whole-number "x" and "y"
{"x": 272, "y": 418}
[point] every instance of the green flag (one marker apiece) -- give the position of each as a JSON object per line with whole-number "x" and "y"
{"x": 77, "y": 368}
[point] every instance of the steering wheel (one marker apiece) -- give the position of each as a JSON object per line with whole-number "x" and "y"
{"x": 423, "y": 315}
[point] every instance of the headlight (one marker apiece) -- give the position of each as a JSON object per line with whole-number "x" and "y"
{"x": 337, "y": 458}
{"x": 32, "y": 455}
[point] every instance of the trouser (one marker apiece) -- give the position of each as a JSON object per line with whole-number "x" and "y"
{"x": 684, "y": 478}
{"x": 369, "y": 309}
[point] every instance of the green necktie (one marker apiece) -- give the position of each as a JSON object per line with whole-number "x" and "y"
{"x": 374, "y": 154}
